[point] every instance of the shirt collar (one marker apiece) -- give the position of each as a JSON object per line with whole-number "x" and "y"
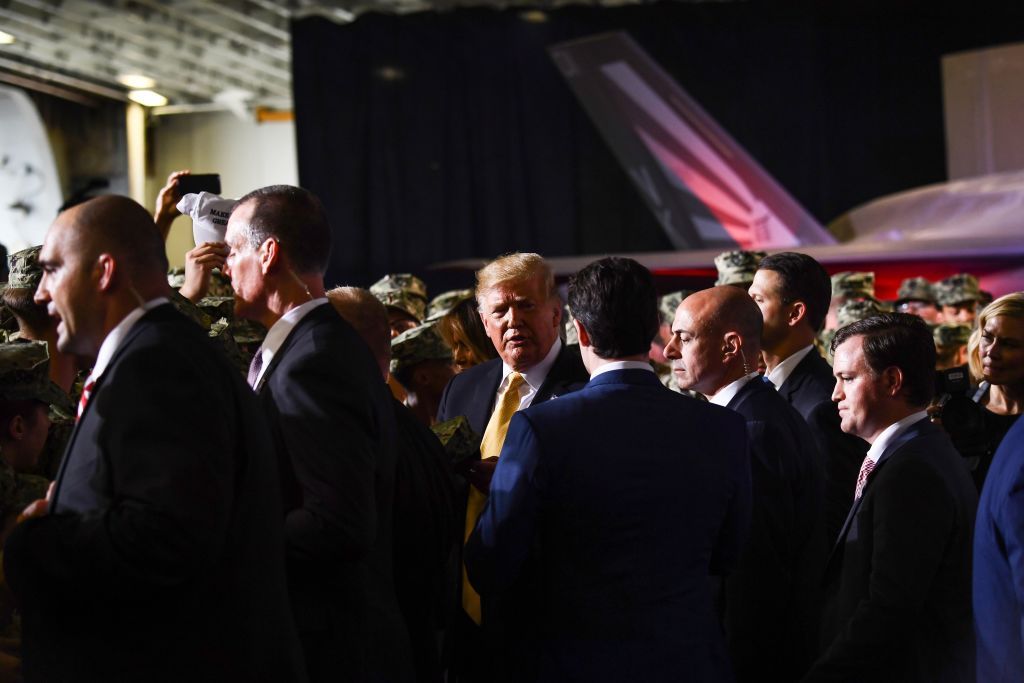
{"x": 781, "y": 372}
{"x": 280, "y": 330}
{"x": 536, "y": 375}
{"x": 622, "y": 365}
{"x": 890, "y": 433}
{"x": 729, "y": 391}
{"x": 117, "y": 335}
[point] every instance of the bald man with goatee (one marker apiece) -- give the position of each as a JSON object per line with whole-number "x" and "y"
{"x": 159, "y": 554}
{"x": 770, "y": 600}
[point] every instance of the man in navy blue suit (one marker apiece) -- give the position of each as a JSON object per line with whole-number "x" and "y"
{"x": 770, "y": 600}
{"x": 621, "y": 517}
{"x": 999, "y": 564}
{"x": 898, "y": 581}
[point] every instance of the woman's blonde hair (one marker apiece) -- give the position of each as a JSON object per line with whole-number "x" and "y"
{"x": 1011, "y": 305}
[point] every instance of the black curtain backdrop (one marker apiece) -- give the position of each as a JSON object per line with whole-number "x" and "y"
{"x": 440, "y": 136}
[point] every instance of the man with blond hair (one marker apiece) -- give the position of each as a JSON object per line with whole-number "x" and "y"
{"x": 521, "y": 313}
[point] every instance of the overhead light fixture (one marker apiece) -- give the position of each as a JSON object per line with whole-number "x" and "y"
{"x": 534, "y": 16}
{"x": 6, "y": 38}
{"x": 147, "y": 98}
{"x": 136, "y": 81}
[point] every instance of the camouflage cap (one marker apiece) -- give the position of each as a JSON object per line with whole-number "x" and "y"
{"x": 668, "y": 303}
{"x": 443, "y": 303}
{"x": 852, "y": 311}
{"x": 403, "y": 301}
{"x": 25, "y": 271}
{"x": 947, "y": 335}
{"x": 458, "y": 438}
{"x": 400, "y": 282}
{"x": 737, "y": 267}
{"x": 916, "y": 289}
{"x": 417, "y": 345}
{"x": 853, "y": 284}
{"x": 25, "y": 373}
{"x": 957, "y": 289}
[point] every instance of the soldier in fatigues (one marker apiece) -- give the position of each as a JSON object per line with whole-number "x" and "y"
{"x": 737, "y": 268}
{"x": 951, "y": 345}
{"x": 917, "y": 296}
{"x": 422, "y": 364}
{"x": 959, "y": 296}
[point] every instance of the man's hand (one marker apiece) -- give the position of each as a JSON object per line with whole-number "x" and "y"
{"x": 167, "y": 203}
{"x": 199, "y": 264}
{"x": 38, "y": 508}
{"x": 480, "y": 474}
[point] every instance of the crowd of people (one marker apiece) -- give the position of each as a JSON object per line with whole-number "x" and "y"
{"x": 249, "y": 476}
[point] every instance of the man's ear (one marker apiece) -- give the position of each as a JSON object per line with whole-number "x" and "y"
{"x": 556, "y": 304}
{"x": 16, "y": 428}
{"x": 106, "y": 270}
{"x": 732, "y": 345}
{"x": 797, "y": 312}
{"x": 270, "y": 254}
{"x": 892, "y": 377}
{"x": 581, "y": 333}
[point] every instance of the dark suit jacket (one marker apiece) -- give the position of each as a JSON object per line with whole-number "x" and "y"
{"x": 999, "y": 564}
{"x": 333, "y": 425}
{"x": 898, "y": 582}
{"x": 162, "y": 558}
{"x": 771, "y": 599}
{"x": 471, "y": 393}
{"x": 425, "y": 539}
{"x": 809, "y": 389}
{"x": 625, "y": 494}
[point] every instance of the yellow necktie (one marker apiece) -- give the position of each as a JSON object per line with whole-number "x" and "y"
{"x": 490, "y": 447}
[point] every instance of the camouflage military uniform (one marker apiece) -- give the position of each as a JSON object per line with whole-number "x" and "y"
{"x": 460, "y": 442}
{"x": 442, "y": 304}
{"x": 737, "y": 268}
{"x": 403, "y": 291}
{"x": 957, "y": 289}
{"x": 220, "y": 284}
{"x": 417, "y": 345}
{"x": 850, "y": 312}
{"x": 950, "y": 335}
{"x": 854, "y": 285}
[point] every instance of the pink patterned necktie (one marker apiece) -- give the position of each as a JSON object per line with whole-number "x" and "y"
{"x": 254, "y": 367}
{"x": 862, "y": 478}
{"x": 86, "y": 395}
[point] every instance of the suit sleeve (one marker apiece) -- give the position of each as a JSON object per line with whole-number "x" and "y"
{"x": 330, "y": 435}
{"x": 498, "y": 548}
{"x": 726, "y": 553}
{"x": 912, "y": 520}
{"x": 169, "y": 452}
{"x": 1010, "y": 522}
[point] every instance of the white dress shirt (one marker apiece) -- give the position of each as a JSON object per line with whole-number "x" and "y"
{"x": 726, "y": 393}
{"x": 534, "y": 377}
{"x": 117, "y": 335}
{"x": 279, "y": 332}
{"x": 622, "y": 365}
{"x": 781, "y": 372}
{"x": 890, "y": 433}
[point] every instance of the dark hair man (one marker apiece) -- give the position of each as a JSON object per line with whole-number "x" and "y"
{"x": 156, "y": 556}
{"x": 793, "y": 292}
{"x": 334, "y": 430}
{"x": 898, "y": 582}
{"x": 521, "y": 314}
{"x": 627, "y": 517}
{"x": 770, "y": 601}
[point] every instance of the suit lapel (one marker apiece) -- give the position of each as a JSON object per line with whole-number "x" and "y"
{"x": 129, "y": 338}
{"x": 561, "y": 372}
{"x": 912, "y": 432}
{"x": 309, "y": 319}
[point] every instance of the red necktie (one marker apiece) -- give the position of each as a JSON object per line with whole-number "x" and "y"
{"x": 862, "y": 477}
{"x": 86, "y": 394}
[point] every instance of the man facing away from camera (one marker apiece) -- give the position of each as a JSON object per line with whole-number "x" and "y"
{"x": 622, "y": 518}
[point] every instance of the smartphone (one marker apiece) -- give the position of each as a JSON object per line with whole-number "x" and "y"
{"x": 196, "y": 183}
